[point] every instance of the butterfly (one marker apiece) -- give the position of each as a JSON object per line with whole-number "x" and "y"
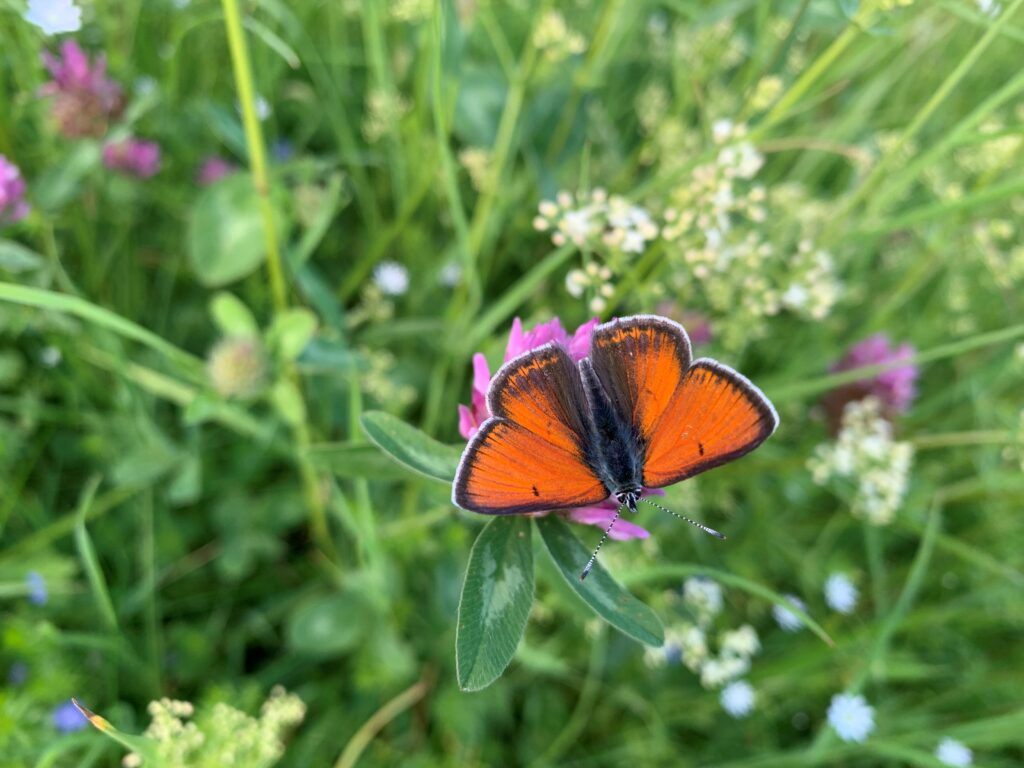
{"x": 638, "y": 413}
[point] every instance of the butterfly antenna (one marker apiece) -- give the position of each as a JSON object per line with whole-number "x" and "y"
{"x": 703, "y": 527}
{"x": 593, "y": 557}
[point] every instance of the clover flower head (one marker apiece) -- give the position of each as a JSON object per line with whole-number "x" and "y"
{"x": 12, "y": 193}
{"x": 738, "y": 698}
{"x": 954, "y": 753}
{"x": 785, "y": 618}
{"x": 237, "y": 367}
{"x": 895, "y": 389}
{"x": 132, "y": 157}
{"x": 213, "y": 169}
{"x": 54, "y": 16}
{"x": 840, "y": 593}
{"x": 852, "y": 718}
{"x": 578, "y": 346}
{"x": 85, "y": 100}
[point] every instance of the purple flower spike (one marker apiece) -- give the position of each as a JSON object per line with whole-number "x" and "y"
{"x": 895, "y": 388}
{"x": 67, "y": 719}
{"x": 85, "y": 100}
{"x": 12, "y": 193}
{"x": 133, "y": 157}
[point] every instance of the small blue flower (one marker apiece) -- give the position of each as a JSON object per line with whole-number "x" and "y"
{"x": 840, "y": 593}
{"x": 851, "y": 717}
{"x": 37, "y": 592}
{"x": 954, "y": 753}
{"x": 785, "y": 618}
{"x": 54, "y": 16}
{"x": 738, "y": 698}
{"x": 66, "y": 718}
{"x": 673, "y": 653}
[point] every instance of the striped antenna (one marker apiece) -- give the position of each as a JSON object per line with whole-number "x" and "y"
{"x": 593, "y": 557}
{"x": 703, "y": 527}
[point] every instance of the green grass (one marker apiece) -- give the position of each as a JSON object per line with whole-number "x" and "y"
{"x": 208, "y": 547}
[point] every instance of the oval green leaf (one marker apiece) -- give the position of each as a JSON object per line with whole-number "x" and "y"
{"x": 495, "y": 604}
{"x": 410, "y": 447}
{"x": 600, "y": 591}
{"x": 226, "y": 238}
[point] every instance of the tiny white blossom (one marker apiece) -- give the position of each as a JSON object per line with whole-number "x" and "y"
{"x": 703, "y": 595}
{"x": 450, "y": 274}
{"x": 738, "y": 698}
{"x": 54, "y": 16}
{"x": 954, "y": 753}
{"x": 391, "y": 277}
{"x": 989, "y": 8}
{"x": 785, "y": 618}
{"x": 851, "y": 717}
{"x": 50, "y": 356}
{"x": 740, "y": 642}
{"x": 840, "y": 593}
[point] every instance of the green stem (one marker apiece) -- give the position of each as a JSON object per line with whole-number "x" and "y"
{"x": 970, "y": 437}
{"x": 254, "y": 142}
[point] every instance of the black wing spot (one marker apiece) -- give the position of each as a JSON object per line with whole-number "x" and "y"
{"x": 536, "y": 492}
{"x": 700, "y": 448}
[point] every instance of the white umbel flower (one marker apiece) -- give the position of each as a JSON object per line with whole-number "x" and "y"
{"x": 840, "y": 593}
{"x": 738, "y": 698}
{"x": 852, "y": 718}
{"x": 954, "y": 753}
{"x": 391, "y": 277}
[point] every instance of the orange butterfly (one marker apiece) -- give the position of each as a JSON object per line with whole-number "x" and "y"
{"x": 637, "y": 413}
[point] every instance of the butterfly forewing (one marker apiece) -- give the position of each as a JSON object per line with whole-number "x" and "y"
{"x": 641, "y": 362}
{"x": 716, "y": 415}
{"x": 531, "y": 455}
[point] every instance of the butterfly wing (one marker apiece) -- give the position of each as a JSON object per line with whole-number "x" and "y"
{"x": 640, "y": 361}
{"x": 689, "y": 417}
{"x": 715, "y": 416}
{"x": 532, "y": 454}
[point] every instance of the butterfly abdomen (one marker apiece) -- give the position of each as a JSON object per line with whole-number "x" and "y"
{"x": 617, "y": 453}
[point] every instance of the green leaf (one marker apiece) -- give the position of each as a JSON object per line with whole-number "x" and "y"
{"x": 225, "y": 238}
{"x": 291, "y": 331}
{"x": 15, "y": 257}
{"x": 231, "y": 316}
{"x": 328, "y": 625}
{"x": 143, "y": 746}
{"x": 496, "y": 599}
{"x": 410, "y": 447}
{"x": 600, "y": 591}
{"x": 354, "y": 460}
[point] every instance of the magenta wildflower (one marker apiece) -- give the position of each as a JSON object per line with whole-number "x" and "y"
{"x": 214, "y": 169}
{"x": 133, "y": 157}
{"x": 12, "y": 193}
{"x": 67, "y": 718}
{"x": 895, "y": 388}
{"x": 85, "y": 100}
{"x": 578, "y": 346}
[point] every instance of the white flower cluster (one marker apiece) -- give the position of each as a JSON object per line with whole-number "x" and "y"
{"x": 720, "y": 251}
{"x": 384, "y": 110}
{"x": 555, "y": 40}
{"x": 590, "y": 220}
{"x": 221, "y": 735}
{"x": 689, "y": 642}
{"x": 866, "y": 453}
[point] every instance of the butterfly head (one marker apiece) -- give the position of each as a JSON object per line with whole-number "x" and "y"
{"x": 628, "y": 498}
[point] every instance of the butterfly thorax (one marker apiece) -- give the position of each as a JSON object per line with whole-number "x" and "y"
{"x": 616, "y": 454}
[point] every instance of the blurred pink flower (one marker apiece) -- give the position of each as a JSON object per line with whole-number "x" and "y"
{"x": 12, "y": 193}
{"x": 133, "y": 157}
{"x": 85, "y": 100}
{"x": 214, "y": 169}
{"x": 895, "y": 388}
{"x": 578, "y": 347}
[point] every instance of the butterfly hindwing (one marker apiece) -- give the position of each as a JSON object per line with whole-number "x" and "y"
{"x": 530, "y": 456}
{"x": 715, "y": 416}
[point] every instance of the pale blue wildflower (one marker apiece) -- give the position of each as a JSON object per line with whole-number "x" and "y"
{"x": 738, "y": 698}
{"x": 840, "y": 593}
{"x": 785, "y": 618}
{"x": 954, "y": 753}
{"x": 54, "y": 16}
{"x": 851, "y": 717}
